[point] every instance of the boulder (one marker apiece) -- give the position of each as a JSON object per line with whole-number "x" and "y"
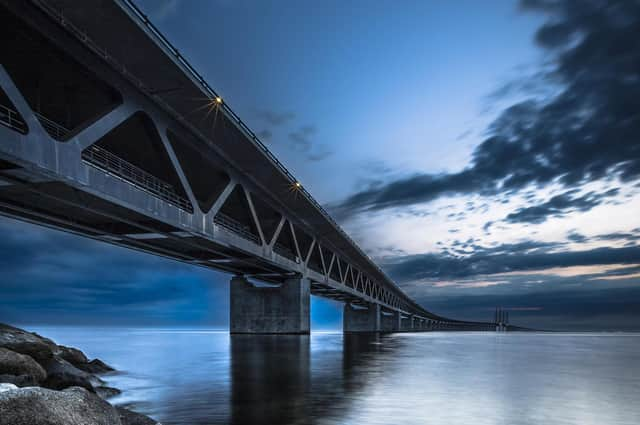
{"x": 46, "y": 340}
{"x": 96, "y": 366}
{"x": 12, "y": 363}
{"x": 61, "y": 374}
{"x": 19, "y": 380}
{"x": 105, "y": 392}
{"x": 39, "y": 406}
{"x": 72, "y": 355}
{"x": 23, "y": 342}
{"x": 132, "y": 418}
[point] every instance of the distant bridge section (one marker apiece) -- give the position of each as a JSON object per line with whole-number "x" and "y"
{"x": 106, "y": 131}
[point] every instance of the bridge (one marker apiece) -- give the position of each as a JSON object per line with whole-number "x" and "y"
{"x": 108, "y": 132}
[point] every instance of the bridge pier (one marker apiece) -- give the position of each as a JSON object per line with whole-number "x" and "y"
{"x": 387, "y": 321}
{"x": 282, "y": 309}
{"x": 361, "y": 319}
{"x": 397, "y": 321}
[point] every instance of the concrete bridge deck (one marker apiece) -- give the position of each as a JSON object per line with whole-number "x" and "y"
{"x": 108, "y": 132}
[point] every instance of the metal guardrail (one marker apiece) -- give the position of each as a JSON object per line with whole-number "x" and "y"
{"x": 104, "y": 160}
{"x": 212, "y": 94}
{"x": 12, "y": 119}
{"x": 53, "y": 128}
{"x": 236, "y": 227}
{"x": 113, "y": 164}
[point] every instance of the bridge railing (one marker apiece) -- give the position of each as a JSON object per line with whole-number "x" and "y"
{"x": 103, "y": 159}
{"x": 12, "y": 119}
{"x": 236, "y": 227}
{"x": 113, "y": 164}
{"x": 53, "y": 128}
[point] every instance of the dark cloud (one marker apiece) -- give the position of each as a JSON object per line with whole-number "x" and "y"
{"x": 559, "y": 206}
{"x": 587, "y": 130}
{"x": 631, "y": 237}
{"x": 301, "y": 137}
{"x": 577, "y": 237}
{"x": 49, "y": 276}
{"x": 487, "y": 226}
{"x": 522, "y": 256}
{"x": 617, "y": 236}
{"x": 265, "y": 134}
{"x": 274, "y": 118}
{"x": 302, "y": 141}
{"x": 322, "y": 153}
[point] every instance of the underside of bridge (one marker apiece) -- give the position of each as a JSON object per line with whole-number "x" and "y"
{"x": 113, "y": 136}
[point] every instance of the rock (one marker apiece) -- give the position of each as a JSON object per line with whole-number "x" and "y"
{"x": 105, "y": 392}
{"x": 72, "y": 355}
{"x": 7, "y": 387}
{"x": 19, "y": 380}
{"x": 47, "y": 341}
{"x": 132, "y": 418}
{"x": 61, "y": 374}
{"x": 23, "y": 342}
{"x": 12, "y": 363}
{"x": 96, "y": 366}
{"x": 39, "y": 406}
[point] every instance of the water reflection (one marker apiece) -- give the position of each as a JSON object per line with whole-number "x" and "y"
{"x": 275, "y": 381}
{"x": 202, "y": 377}
{"x": 270, "y": 378}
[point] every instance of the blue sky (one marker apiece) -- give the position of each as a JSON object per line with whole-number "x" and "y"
{"x": 484, "y": 153}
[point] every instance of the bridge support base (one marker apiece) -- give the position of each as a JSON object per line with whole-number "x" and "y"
{"x": 398, "y": 323}
{"x": 361, "y": 320}
{"x": 270, "y": 310}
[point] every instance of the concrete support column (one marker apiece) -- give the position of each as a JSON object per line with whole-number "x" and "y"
{"x": 361, "y": 319}
{"x": 387, "y": 322}
{"x": 397, "y": 321}
{"x": 270, "y": 310}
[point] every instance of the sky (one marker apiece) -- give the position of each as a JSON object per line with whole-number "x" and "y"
{"x": 483, "y": 153}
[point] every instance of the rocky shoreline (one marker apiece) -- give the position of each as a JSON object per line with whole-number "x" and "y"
{"x": 43, "y": 383}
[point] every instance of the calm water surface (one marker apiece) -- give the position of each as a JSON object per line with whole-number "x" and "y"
{"x": 209, "y": 377}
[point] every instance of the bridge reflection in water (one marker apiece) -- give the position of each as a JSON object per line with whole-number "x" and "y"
{"x": 275, "y": 381}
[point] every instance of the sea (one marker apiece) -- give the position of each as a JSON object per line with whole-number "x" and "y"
{"x": 202, "y": 376}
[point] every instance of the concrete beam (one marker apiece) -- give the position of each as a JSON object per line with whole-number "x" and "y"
{"x": 270, "y": 310}
{"x": 361, "y": 319}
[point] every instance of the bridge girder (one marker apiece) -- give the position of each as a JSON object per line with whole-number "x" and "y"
{"x": 126, "y": 167}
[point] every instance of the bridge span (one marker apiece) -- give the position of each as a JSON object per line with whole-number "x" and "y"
{"x": 108, "y": 132}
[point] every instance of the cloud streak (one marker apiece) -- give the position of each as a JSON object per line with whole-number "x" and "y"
{"x": 504, "y": 258}
{"x": 560, "y": 206}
